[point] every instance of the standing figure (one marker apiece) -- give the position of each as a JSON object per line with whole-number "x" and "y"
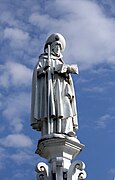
{"x": 53, "y": 108}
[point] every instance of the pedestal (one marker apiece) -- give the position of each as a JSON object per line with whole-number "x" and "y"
{"x": 59, "y": 150}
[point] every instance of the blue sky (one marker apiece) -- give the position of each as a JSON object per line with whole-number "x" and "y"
{"x": 89, "y": 29}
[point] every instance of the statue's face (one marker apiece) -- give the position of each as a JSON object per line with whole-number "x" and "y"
{"x": 56, "y": 49}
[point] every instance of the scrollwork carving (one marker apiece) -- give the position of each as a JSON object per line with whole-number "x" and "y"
{"x": 76, "y": 171}
{"x": 42, "y": 171}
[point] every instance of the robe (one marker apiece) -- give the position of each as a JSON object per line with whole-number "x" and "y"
{"x": 53, "y": 96}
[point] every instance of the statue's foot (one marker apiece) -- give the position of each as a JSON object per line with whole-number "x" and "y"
{"x": 71, "y": 134}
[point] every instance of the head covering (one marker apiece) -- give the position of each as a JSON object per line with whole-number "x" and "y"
{"x": 56, "y": 37}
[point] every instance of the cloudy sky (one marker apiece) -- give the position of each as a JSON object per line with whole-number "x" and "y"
{"x": 89, "y": 29}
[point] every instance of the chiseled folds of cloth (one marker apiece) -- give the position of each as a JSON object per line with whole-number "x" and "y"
{"x": 62, "y": 103}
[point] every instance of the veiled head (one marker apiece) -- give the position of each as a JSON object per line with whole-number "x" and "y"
{"x": 55, "y": 40}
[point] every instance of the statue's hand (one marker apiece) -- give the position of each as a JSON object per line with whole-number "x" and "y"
{"x": 74, "y": 69}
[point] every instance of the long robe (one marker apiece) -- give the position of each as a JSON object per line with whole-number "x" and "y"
{"x": 53, "y": 95}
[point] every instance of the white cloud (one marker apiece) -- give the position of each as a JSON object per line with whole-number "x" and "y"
{"x": 95, "y": 89}
{"x": 42, "y": 21}
{"x": 16, "y": 108}
{"x": 16, "y": 141}
{"x": 18, "y": 38}
{"x": 16, "y": 125}
{"x": 7, "y": 18}
{"x": 112, "y": 171}
{"x": 2, "y": 128}
{"x": 20, "y": 74}
{"x": 16, "y": 104}
{"x": 20, "y": 174}
{"x": 3, "y": 156}
{"x": 15, "y": 34}
{"x": 22, "y": 157}
{"x": 89, "y": 32}
{"x": 110, "y": 6}
{"x": 17, "y": 156}
{"x": 90, "y": 35}
{"x": 104, "y": 121}
{"x": 15, "y": 74}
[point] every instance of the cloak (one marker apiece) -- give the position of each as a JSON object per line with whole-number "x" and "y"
{"x": 61, "y": 97}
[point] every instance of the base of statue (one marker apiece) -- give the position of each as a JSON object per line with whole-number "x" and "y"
{"x": 59, "y": 150}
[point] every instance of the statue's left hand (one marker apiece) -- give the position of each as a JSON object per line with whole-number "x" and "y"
{"x": 74, "y": 69}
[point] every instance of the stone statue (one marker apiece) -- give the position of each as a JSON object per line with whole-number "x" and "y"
{"x": 53, "y": 108}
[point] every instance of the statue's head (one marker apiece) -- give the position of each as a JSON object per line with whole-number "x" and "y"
{"x": 55, "y": 40}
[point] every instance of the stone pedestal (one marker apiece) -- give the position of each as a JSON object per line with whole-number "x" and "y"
{"x": 59, "y": 150}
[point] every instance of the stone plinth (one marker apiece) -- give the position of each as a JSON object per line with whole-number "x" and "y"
{"x": 59, "y": 150}
{"x": 56, "y": 145}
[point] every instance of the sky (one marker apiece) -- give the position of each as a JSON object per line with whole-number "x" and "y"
{"x": 89, "y": 29}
